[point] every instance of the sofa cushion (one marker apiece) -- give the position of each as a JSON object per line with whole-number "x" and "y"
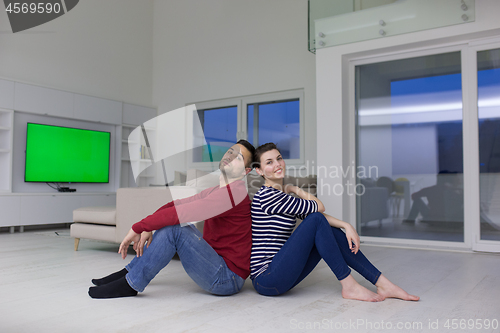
{"x": 254, "y": 183}
{"x": 93, "y": 231}
{"x": 254, "y": 180}
{"x": 97, "y": 215}
{"x": 368, "y": 182}
{"x": 308, "y": 184}
{"x": 180, "y": 178}
{"x": 302, "y": 182}
{"x": 202, "y": 179}
{"x": 134, "y": 204}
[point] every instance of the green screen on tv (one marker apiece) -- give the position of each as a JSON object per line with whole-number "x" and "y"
{"x": 56, "y": 154}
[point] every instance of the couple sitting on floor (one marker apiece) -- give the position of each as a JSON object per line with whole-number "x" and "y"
{"x": 242, "y": 238}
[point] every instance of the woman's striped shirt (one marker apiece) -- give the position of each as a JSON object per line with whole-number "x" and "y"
{"x": 274, "y": 215}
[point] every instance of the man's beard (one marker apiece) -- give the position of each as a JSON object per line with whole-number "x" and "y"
{"x": 222, "y": 167}
{"x": 227, "y": 171}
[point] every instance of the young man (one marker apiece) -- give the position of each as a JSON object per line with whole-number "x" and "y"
{"x": 218, "y": 261}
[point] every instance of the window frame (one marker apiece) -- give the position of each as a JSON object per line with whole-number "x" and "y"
{"x": 241, "y": 104}
{"x": 215, "y": 104}
{"x": 350, "y": 135}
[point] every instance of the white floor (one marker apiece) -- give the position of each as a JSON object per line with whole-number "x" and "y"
{"x": 45, "y": 282}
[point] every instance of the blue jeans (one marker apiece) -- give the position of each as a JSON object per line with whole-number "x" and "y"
{"x": 201, "y": 262}
{"x": 313, "y": 240}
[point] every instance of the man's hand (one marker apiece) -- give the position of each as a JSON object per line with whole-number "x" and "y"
{"x": 146, "y": 237}
{"x": 352, "y": 237}
{"x": 131, "y": 237}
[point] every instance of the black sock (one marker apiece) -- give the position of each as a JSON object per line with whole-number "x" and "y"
{"x": 110, "y": 277}
{"x": 114, "y": 289}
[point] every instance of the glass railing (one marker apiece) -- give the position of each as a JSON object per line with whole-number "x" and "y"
{"x": 347, "y": 21}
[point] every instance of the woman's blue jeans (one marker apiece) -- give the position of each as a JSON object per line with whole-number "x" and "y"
{"x": 207, "y": 268}
{"x": 313, "y": 240}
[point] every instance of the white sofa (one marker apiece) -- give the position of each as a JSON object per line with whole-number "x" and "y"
{"x": 132, "y": 205}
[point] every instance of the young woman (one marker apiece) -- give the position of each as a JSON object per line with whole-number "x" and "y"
{"x": 280, "y": 259}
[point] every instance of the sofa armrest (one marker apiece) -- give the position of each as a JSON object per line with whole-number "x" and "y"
{"x": 134, "y": 204}
{"x": 374, "y": 204}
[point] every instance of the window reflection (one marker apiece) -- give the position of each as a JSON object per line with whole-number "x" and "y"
{"x": 409, "y": 125}
{"x": 488, "y": 77}
{"x": 277, "y": 122}
{"x": 219, "y": 130}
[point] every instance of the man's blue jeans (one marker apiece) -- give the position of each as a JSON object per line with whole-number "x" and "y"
{"x": 313, "y": 240}
{"x": 201, "y": 262}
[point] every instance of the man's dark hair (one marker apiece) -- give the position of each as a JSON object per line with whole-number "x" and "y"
{"x": 251, "y": 149}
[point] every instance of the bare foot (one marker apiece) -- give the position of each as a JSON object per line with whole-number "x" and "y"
{"x": 387, "y": 289}
{"x": 353, "y": 290}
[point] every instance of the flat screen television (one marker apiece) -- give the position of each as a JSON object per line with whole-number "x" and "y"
{"x": 56, "y": 154}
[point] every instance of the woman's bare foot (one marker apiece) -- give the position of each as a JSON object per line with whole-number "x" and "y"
{"x": 387, "y": 289}
{"x": 353, "y": 290}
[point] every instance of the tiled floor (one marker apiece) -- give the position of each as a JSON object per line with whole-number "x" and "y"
{"x": 44, "y": 289}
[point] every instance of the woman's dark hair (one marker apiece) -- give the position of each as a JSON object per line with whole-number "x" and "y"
{"x": 261, "y": 150}
{"x": 251, "y": 150}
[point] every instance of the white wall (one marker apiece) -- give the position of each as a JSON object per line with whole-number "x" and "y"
{"x": 99, "y": 48}
{"x": 206, "y": 50}
{"x": 333, "y": 142}
{"x": 169, "y": 53}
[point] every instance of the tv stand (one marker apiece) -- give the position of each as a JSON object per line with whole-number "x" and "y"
{"x": 19, "y": 209}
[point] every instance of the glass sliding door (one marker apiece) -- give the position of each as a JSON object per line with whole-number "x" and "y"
{"x": 409, "y": 148}
{"x": 488, "y": 93}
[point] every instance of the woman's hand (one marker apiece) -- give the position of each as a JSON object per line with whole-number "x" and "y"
{"x": 132, "y": 236}
{"x": 146, "y": 237}
{"x": 352, "y": 238}
{"x": 304, "y": 195}
{"x": 290, "y": 189}
{"x": 350, "y": 232}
